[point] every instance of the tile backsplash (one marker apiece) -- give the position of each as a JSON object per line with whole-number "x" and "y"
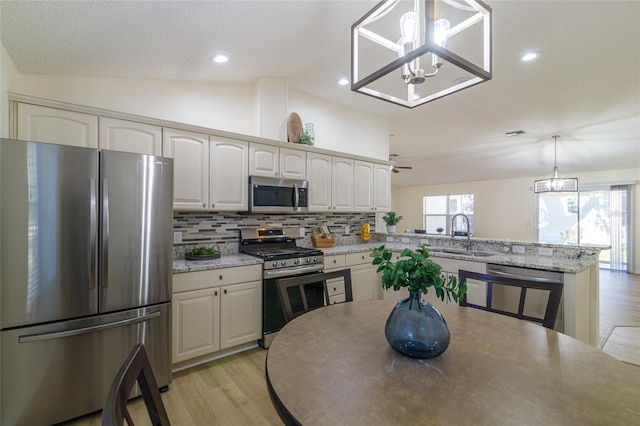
{"x": 223, "y": 229}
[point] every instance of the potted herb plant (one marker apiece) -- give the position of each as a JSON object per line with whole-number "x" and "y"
{"x": 391, "y": 219}
{"x": 415, "y": 327}
{"x": 439, "y": 230}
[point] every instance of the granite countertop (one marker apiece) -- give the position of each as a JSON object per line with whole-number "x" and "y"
{"x": 225, "y": 261}
{"x": 528, "y": 260}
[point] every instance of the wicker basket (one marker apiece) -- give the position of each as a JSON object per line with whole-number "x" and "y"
{"x": 323, "y": 242}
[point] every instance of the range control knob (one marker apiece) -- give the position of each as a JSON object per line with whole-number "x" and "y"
{"x": 297, "y": 261}
{"x": 315, "y": 259}
{"x": 274, "y": 264}
{"x": 308, "y": 260}
{"x": 283, "y": 263}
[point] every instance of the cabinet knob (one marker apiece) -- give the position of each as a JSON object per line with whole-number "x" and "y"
{"x": 215, "y": 293}
{"x": 334, "y": 289}
{"x": 220, "y": 276}
{"x": 213, "y": 205}
{"x": 225, "y": 291}
{"x": 362, "y": 257}
{"x": 204, "y": 204}
{"x": 335, "y": 261}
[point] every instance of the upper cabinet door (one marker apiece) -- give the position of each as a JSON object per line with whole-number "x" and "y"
{"x": 342, "y": 184}
{"x": 229, "y": 174}
{"x": 190, "y": 153}
{"x": 363, "y": 187}
{"x": 319, "y": 176}
{"x": 264, "y": 160}
{"x": 293, "y": 164}
{"x": 382, "y": 187}
{"x": 44, "y": 124}
{"x": 129, "y": 136}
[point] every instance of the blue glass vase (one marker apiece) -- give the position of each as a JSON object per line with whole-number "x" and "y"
{"x": 416, "y": 328}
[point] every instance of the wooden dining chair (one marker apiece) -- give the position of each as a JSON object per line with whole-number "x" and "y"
{"x": 136, "y": 368}
{"x": 553, "y": 302}
{"x": 299, "y": 283}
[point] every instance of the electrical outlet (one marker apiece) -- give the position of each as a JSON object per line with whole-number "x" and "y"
{"x": 389, "y": 239}
{"x": 518, "y": 249}
{"x": 177, "y": 237}
{"x": 302, "y": 231}
{"x": 545, "y": 251}
{"x": 346, "y": 230}
{"x": 405, "y": 240}
{"x": 424, "y": 241}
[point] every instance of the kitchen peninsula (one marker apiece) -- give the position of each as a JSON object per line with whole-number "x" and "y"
{"x": 578, "y": 266}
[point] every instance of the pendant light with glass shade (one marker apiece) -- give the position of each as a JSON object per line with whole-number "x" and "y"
{"x": 555, "y": 182}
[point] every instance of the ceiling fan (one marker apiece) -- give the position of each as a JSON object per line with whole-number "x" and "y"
{"x": 394, "y": 168}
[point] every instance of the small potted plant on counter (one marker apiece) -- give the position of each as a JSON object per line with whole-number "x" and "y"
{"x": 391, "y": 219}
{"x": 439, "y": 230}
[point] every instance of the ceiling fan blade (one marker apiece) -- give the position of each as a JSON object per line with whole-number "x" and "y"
{"x": 394, "y": 170}
{"x": 404, "y": 167}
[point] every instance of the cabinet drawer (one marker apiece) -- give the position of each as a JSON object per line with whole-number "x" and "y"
{"x": 338, "y": 298}
{"x": 358, "y": 258}
{"x": 334, "y": 262}
{"x": 206, "y": 279}
{"x": 335, "y": 287}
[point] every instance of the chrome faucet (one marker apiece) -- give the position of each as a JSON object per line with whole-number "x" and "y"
{"x": 453, "y": 232}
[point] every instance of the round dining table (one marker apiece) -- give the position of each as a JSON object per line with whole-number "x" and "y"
{"x": 333, "y": 366}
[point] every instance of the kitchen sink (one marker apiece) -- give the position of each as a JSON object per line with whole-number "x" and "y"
{"x": 472, "y": 253}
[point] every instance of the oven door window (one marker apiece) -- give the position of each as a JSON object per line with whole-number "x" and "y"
{"x": 272, "y": 310}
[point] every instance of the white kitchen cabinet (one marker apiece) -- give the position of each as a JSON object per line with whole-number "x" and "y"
{"x": 363, "y": 276}
{"x": 129, "y": 136}
{"x": 293, "y": 164}
{"x": 43, "y": 124}
{"x": 228, "y": 174}
{"x": 381, "y": 188}
{"x": 342, "y": 184}
{"x": 190, "y": 153}
{"x": 215, "y": 310}
{"x": 363, "y": 176}
{"x": 196, "y": 328}
{"x": 240, "y": 314}
{"x": 264, "y": 160}
{"x": 272, "y": 161}
{"x": 476, "y": 290}
{"x": 335, "y": 287}
{"x": 319, "y": 177}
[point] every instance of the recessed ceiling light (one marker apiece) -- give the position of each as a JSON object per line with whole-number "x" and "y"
{"x": 529, "y": 56}
{"x": 220, "y": 59}
{"x": 343, "y": 82}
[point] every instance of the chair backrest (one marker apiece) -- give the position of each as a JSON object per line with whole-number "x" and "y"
{"x": 136, "y": 368}
{"x": 285, "y": 284}
{"x": 553, "y": 302}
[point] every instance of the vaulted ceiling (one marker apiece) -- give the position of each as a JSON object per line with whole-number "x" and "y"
{"x": 585, "y": 87}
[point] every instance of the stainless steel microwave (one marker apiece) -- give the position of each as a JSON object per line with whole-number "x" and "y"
{"x": 276, "y": 195}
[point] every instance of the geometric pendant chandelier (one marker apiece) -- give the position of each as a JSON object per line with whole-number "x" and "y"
{"x": 555, "y": 182}
{"x": 410, "y": 52}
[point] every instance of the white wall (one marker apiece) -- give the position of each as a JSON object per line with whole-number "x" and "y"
{"x": 506, "y": 208}
{"x": 342, "y": 129}
{"x": 222, "y": 106}
{"x": 8, "y": 78}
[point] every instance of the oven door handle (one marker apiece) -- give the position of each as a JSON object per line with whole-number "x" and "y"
{"x": 289, "y": 272}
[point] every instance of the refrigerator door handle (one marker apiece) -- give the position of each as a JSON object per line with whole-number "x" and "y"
{"x": 105, "y": 234}
{"x": 59, "y": 334}
{"x": 93, "y": 233}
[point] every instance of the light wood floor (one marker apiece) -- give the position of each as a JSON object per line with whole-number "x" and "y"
{"x": 232, "y": 391}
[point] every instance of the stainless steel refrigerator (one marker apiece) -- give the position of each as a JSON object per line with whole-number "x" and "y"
{"x": 85, "y": 274}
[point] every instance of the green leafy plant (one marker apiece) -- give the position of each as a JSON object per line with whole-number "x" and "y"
{"x": 439, "y": 230}
{"x": 391, "y": 218}
{"x": 305, "y": 139}
{"x": 417, "y": 272}
{"x": 203, "y": 251}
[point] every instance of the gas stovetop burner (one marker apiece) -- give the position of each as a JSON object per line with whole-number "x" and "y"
{"x": 277, "y": 248}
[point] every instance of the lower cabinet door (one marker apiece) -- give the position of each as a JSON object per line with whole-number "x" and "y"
{"x": 195, "y": 324}
{"x": 240, "y": 314}
{"x": 364, "y": 282}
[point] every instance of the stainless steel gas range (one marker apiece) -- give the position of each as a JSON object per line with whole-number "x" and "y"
{"x": 282, "y": 258}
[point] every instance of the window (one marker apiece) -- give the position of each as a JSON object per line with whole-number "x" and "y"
{"x": 597, "y": 215}
{"x": 438, "y": 210}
